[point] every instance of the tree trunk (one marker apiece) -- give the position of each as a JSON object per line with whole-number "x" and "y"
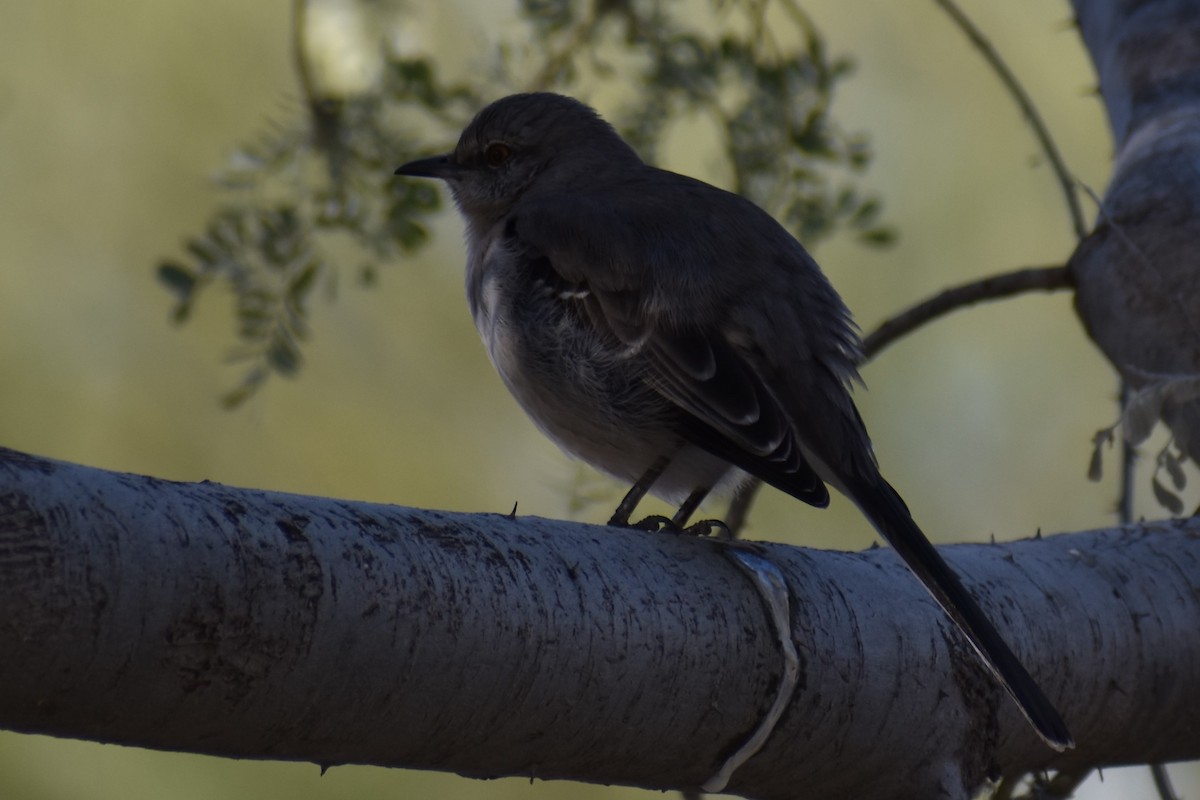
{"x": 1137, "y": 276}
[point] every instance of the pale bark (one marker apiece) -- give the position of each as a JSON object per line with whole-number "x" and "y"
{"x": 237, "y": 622}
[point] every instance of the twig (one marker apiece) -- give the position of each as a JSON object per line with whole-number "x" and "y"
{"x": 1128, "y": 462}
{"x": 1064, "y": 783}
{"x": 558, "y": 59}
{"x": 299, "y": 51}
{"x": 993, "y": 288}
{"x": 1006, "y": 787}
{"x": 1162, "y": 782}
{"x": 739, "y": 506}
{"x": 1040, "y": 131}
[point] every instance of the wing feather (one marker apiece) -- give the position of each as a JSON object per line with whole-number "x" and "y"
{"x": 727, "y": 407}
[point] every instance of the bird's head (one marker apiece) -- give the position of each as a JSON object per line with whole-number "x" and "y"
{"x": 524, "y": 142}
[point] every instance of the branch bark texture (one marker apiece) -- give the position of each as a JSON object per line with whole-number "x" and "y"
{"x": 244, "y": 623}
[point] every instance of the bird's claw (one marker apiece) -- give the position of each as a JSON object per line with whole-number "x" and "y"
{"x": 656, "y": 523}
{"x": 710, "y": 527}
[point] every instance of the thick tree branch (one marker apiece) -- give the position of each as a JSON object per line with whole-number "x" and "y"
{"x": 204, "y": 618}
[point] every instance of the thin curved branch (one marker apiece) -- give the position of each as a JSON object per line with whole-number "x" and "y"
{"x": 1007, "y": 284}
{"x": 1028, "y": 109}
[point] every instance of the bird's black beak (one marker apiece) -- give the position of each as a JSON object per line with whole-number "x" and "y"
{"x": 436, "y": 167}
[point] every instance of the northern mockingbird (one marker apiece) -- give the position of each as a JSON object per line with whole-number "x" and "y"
{"x": 674, "y": 335}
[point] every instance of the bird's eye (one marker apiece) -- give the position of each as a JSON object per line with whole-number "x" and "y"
{"x": 496, "y": 154}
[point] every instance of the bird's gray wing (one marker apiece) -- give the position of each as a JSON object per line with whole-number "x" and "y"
{"x": 605, "y": 257}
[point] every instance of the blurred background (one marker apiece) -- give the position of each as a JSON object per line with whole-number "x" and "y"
{"x": 114, "y": 116}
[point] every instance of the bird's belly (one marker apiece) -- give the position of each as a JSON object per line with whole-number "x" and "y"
{"x": 589, "y": 397}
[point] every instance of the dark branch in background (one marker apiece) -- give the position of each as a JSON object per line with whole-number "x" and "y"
{"x": 996, "y": 287}
{"x": 1028, "y": 109}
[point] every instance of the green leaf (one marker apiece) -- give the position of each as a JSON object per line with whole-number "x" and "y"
{"x": 250, "y": 384}
{"x": 178, "y": 279}
{"x": 1174, "y": 470}
{"x": 866, "y": 214}
{"x": 283, "y": 357}
{"x": 883, "y": 236}
{"x": 1096, "y": 464}
{"x": 302, "y": 284}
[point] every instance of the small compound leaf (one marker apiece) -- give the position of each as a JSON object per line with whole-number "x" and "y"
{"x": 883, "y": 236}
{"x": 250, "y": 384}
{"x": 1174, "y": 470}
{"x": 302, "y": 284}
{"x": 866, "y": 214}
{"x": 178, "y": 279}
{"x": 1096, "y": 464}
{"x": 283, "y": 357}
{"x": 1166, "y": 498}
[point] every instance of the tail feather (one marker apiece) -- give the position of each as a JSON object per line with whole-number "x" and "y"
{"x": 891, "y": 517}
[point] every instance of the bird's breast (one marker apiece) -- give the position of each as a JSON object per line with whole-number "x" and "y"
{"x": 582, "y": 387}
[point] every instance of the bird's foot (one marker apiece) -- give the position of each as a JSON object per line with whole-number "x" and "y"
{"x": 656, "y": 523}
{"x": 710, "y": 527}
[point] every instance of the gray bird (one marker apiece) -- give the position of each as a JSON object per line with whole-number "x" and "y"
{"x": 674, "y": 335}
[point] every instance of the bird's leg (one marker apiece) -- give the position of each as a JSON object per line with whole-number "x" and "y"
{"x": 739, "y": 507}
{"x": 689, "y": 506}
{"x": 705, "y": 527}
{"x": 636, "y": 492}
{"x": 657, "y": 522}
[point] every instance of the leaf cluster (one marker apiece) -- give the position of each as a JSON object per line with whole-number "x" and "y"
{"x": 1160, "y": 399}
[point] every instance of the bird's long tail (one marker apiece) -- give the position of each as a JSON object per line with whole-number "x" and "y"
{"x": 891, "y": 517}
